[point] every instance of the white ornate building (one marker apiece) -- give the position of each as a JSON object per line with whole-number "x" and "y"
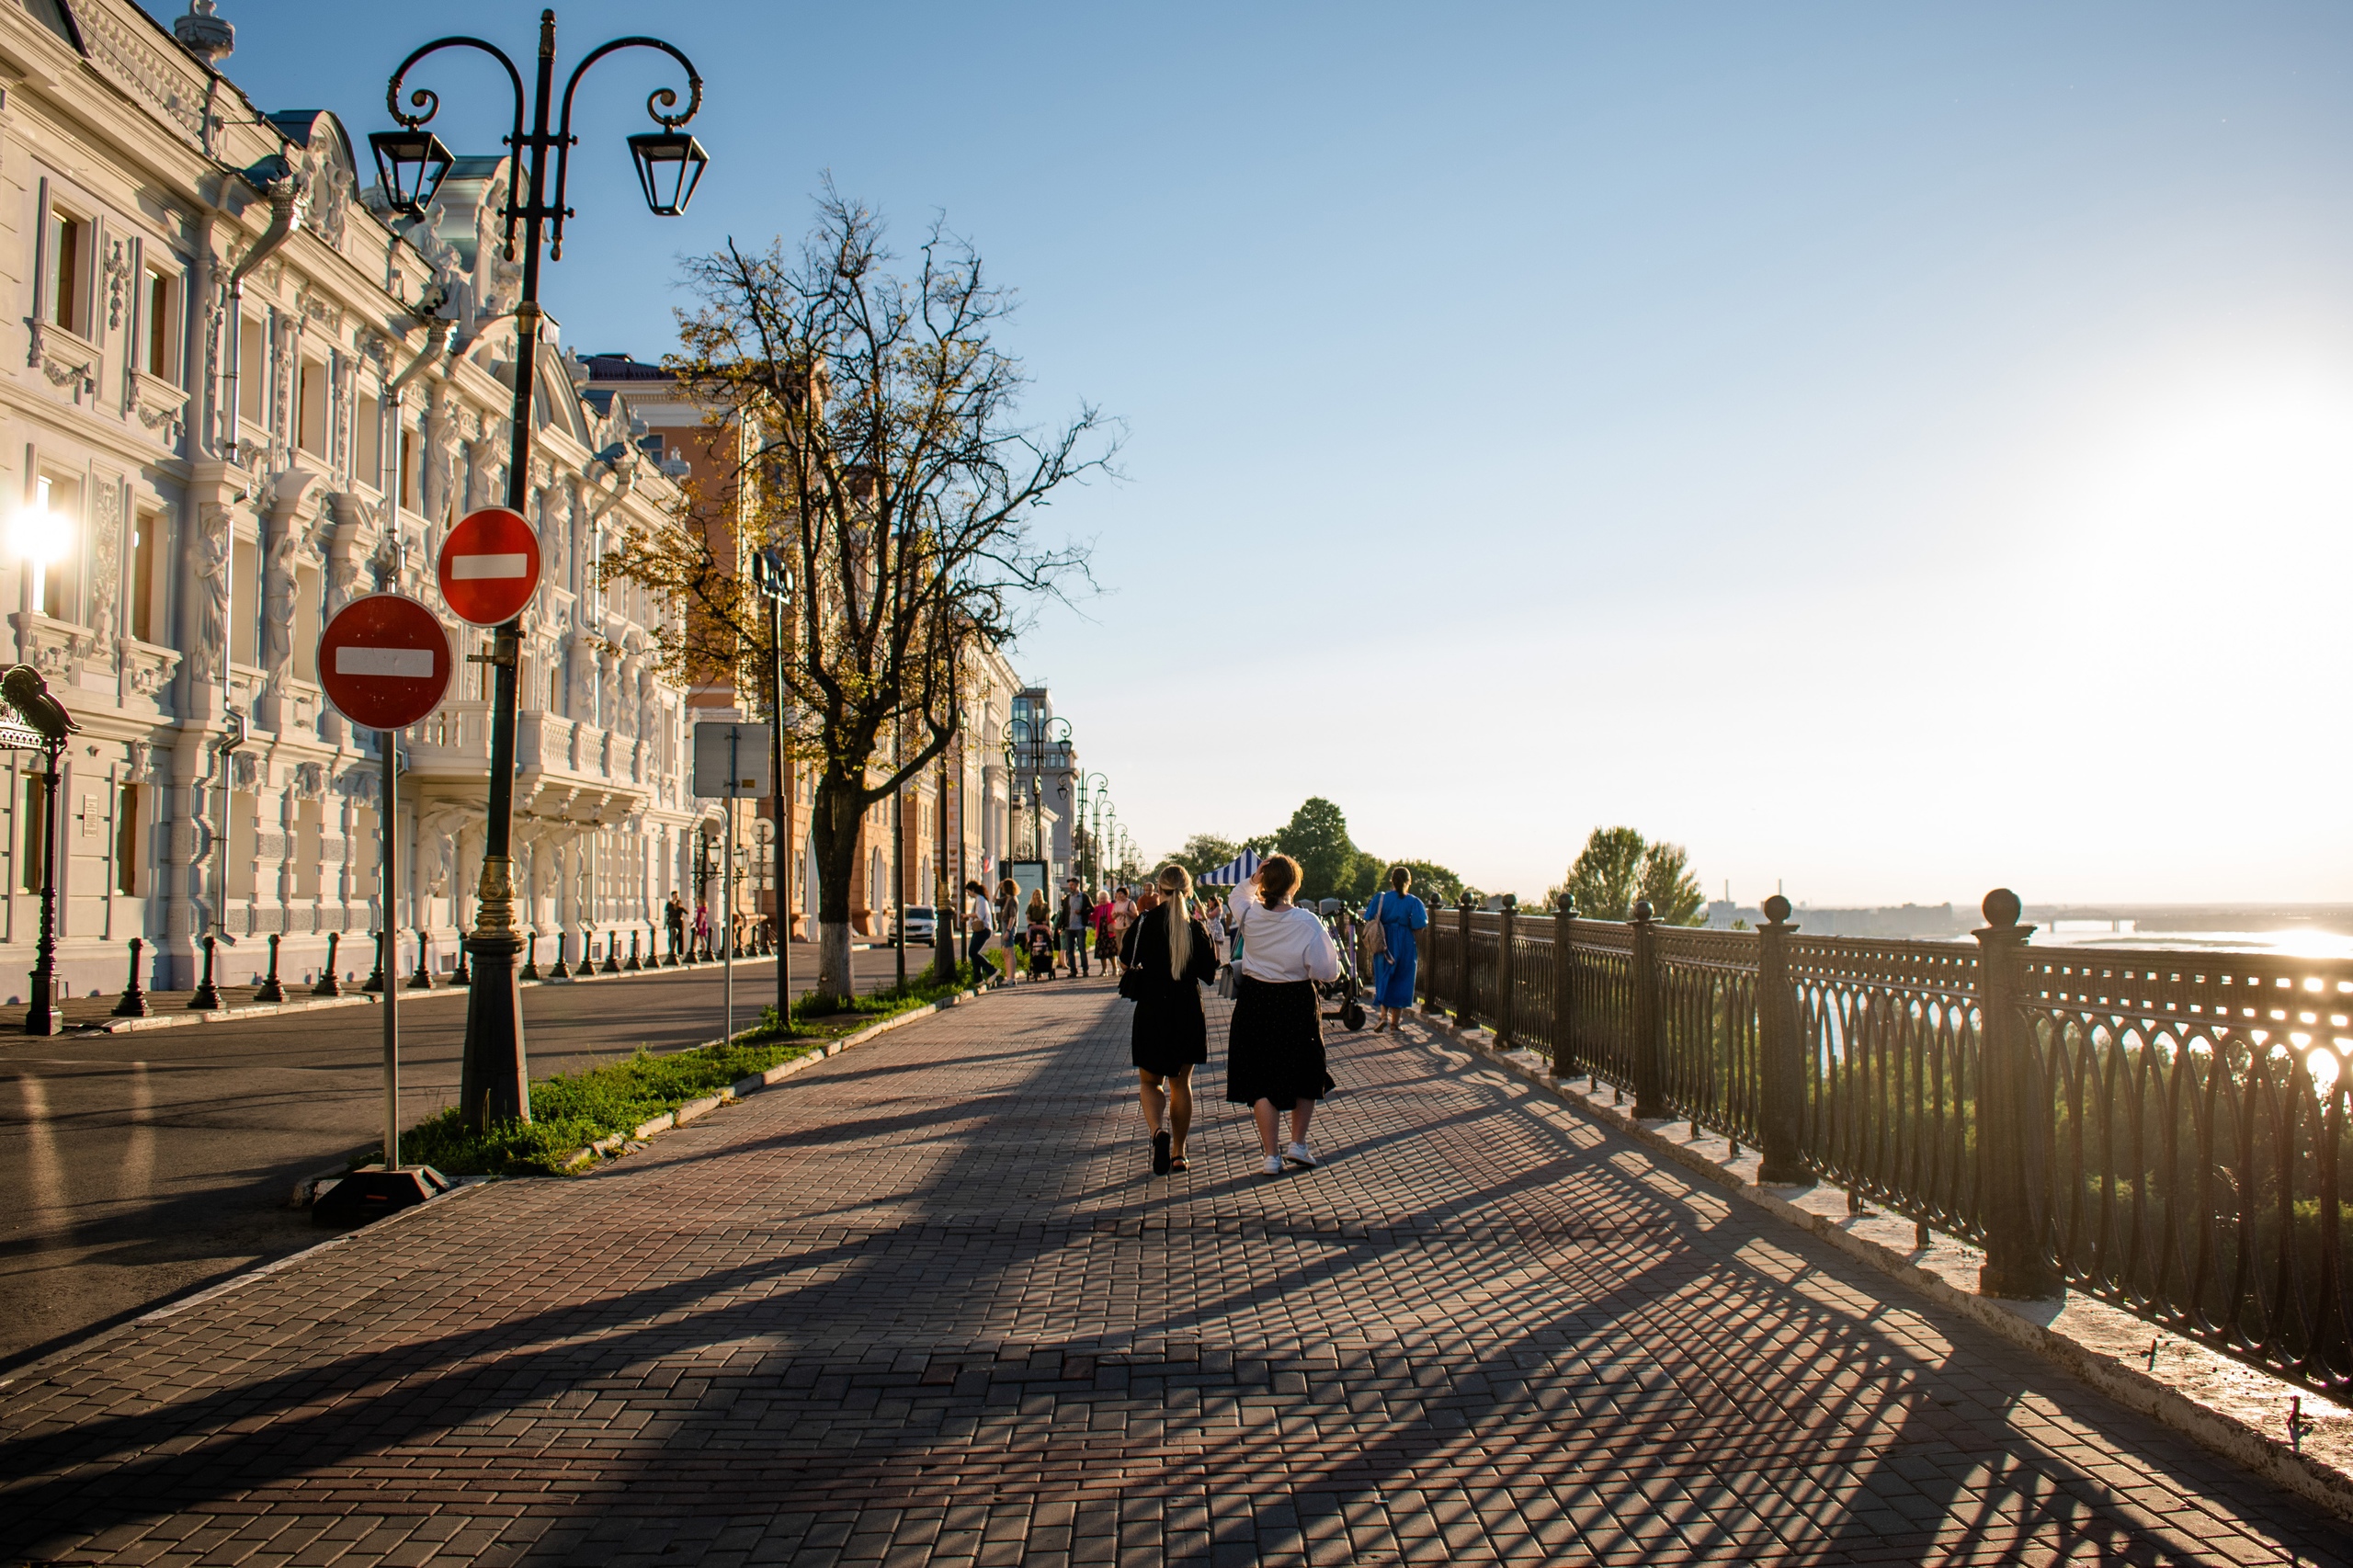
{"x": 239, "y": 397}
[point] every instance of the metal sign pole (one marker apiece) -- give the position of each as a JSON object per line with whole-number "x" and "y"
{"x": 390, "y": 860}
{"x": 727, "y": 880}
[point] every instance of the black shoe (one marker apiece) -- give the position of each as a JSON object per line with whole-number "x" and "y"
{"x": 1160, "y": 1154}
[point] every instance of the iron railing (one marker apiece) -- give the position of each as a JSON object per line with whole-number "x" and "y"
{"x": 2171, "y": 1131}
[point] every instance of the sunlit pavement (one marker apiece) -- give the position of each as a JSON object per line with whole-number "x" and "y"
{"x": 925, "y": 1303}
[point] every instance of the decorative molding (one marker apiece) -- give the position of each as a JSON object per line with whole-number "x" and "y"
{"x": 160, "y": 405}
{"x": 146, "y": 71}
{"x": 65, "y": 358}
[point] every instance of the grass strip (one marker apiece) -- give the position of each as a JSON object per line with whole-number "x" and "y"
{"x": 570, "y": 1111}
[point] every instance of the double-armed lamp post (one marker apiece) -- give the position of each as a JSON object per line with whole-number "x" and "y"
{"x": 411, "y": 161}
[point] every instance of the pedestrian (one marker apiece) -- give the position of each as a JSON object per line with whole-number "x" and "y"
{"x": 703, "y": 931}
{"x": 977, "y": 911}
{"x": 1099, "y": 923}
{"x": 1212, "y": 918}
{"x": 1072, "y": 920}
{"x": 1390, "y": 922}
{"x": 1171, "y": 958}
{"x": 1274, "y": 1052}
{"x": 1123, "y": 914}
{"x": 1040, "y": 936}
{"x": 1009, "y": 925}
{"x": 673, "y": 923}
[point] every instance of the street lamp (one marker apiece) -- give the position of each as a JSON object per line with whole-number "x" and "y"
{"x": 34, "y": 720}
{"x": 772, "y": 580}
{"x": 495, "y": 1084}
{"x": 1017, "y": 736}
{"x": 1101, "y": 785}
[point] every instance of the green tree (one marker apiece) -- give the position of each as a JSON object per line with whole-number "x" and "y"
{"x": 1617, "y": 867}
{"x": 1205, "y": 852}
{"x": 1317, "y": 837}
{"x": 1433, "y": 883}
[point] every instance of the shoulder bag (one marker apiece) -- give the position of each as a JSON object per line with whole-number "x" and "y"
{"x": 1376, "y": 934}
{"x": 1225, "y": 976}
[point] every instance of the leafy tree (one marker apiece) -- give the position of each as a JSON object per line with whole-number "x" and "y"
{"x": 1617, "y": 867}
{"x": 1317, "y": 837}
{"x": 1433, "y": 883}
{"x": 869, "y": 413}
{"x": 1205, "y": 852}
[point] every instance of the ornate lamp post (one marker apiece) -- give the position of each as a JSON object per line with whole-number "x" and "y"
{"x": 1017, "y": 736}
{"x": 411, "y": 161}
{"x": 772, "y": 580}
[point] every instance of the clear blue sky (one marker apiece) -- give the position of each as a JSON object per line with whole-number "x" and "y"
{"x": 1892, "y": 449}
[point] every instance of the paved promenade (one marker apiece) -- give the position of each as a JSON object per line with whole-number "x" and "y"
{"x": 923, "y": 1304}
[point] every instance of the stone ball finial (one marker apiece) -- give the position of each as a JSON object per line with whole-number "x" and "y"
{"x": 204, "y": 35}
{"x": 2002, "y": 907}
{"x": 1511, "y": 901}
{"x": 1568, "y": 906}
{"x": 1777, "y": 909}
{"x": 1641, "y": 909}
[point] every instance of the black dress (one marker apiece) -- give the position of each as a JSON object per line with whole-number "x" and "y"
{"x": 1170, "y": 1034}
{"x": 1275, "y": 1049}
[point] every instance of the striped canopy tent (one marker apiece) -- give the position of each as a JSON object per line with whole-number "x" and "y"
{"x": 1234, "y": 872}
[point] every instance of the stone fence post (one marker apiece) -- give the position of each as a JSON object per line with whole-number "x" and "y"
{"x": 1565, "y": 1011}
{"x": 2011, "y": 1113}
{"x": 1462, "y": 971}
{"x": 1781, "y": 1061}
{"x": 1650, "y": 1022}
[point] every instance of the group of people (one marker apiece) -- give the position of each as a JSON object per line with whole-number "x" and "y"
{"x": 1279, "y": 954}
{"x": 1007, "y": 938}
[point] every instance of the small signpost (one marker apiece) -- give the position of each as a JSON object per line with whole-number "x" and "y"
{"x": 489, "y": 566}
{"x": 385, "y": 663}
{"x": 730, "y": 764}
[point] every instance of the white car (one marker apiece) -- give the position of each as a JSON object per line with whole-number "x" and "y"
{"x": 922, "y": 923}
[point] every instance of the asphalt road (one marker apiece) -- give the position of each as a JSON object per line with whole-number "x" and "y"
{"x": 136, "y": 1167}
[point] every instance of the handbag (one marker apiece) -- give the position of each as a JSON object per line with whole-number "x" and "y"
{"x": 1225, "y": 976}
{"x": 1376, "y": 934}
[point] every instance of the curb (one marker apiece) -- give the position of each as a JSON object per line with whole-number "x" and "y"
{"x": 694, "y": 1111}
{"x": 2310, "y": 1476}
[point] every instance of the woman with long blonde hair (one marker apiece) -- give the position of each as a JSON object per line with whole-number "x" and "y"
{"x": 1169, "y": 957}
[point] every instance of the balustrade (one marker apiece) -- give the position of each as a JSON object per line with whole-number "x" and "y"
{"x": 2171, "y": 1131}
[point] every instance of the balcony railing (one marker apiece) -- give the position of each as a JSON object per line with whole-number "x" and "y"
{"x": 2167, "y": 1131}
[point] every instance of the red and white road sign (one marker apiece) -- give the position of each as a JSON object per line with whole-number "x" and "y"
{"x": 489, "y": 566}
{"x": 385, "y": 661}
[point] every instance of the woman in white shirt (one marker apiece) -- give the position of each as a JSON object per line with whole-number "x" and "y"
{"x": 1274, "y": 1052}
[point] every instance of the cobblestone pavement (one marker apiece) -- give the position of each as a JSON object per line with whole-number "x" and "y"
{"x": 923, "y": 1304}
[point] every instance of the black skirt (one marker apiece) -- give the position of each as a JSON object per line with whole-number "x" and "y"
{"x": 1275, "y": 1050}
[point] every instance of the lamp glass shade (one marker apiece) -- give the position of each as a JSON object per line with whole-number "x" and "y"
{"x": 669, "y": 167}
{"x": 411, "y": 164}
{"x": 40, "y": 536}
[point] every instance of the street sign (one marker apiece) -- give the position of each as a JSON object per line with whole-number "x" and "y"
{"x": 385, "y": 661}
{"x": 730, "y": 760}
{"x": 489, "y": 566}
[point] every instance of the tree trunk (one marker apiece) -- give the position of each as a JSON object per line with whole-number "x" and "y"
{"x": 833, "y": 826}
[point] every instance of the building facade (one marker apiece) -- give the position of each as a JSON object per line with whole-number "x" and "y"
{"x": 239, "y": 394}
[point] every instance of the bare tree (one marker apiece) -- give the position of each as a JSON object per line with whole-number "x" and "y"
{"x": 868, "y": 427}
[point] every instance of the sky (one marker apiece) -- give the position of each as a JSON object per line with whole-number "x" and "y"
{"x": 1892, "y": 451}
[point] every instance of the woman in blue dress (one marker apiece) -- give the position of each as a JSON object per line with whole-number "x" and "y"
{"x": 1400, "y": 914}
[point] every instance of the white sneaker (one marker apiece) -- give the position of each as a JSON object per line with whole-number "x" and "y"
{"x": 1274, "y": 1165}
{"x": 1298, "y": 1155}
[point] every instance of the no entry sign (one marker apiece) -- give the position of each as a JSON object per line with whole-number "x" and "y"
{"x": 489, "y": 566}
{"x": 384, "y": 660}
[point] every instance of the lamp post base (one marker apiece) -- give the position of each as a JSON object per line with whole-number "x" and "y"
{"x": 495, "y": 1083}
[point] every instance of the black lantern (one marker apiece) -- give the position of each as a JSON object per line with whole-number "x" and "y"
{"x": 411, "y": 162}
{"x": 669, "y": 167}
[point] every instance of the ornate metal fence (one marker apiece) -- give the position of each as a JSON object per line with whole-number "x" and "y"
{"x": 2170, "y": 1130}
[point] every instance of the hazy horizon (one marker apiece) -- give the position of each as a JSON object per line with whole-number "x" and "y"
{"x": 1884, "y": 451}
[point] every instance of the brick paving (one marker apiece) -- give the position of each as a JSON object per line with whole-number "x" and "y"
{"x": 925, "y": 1305}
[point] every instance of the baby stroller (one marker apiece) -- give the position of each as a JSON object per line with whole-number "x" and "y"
{"x": 1341, "y": 921}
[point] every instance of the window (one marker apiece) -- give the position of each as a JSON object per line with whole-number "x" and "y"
{"x": 36, "y": 819}
{"x": 245, "y": 849}
{"x": 408, "y": 467}
{"x": 311, "y": 408}
{"x": 310, "y": 825}
{"x": 244, "y": 603}
{"x": 367, "y": 441}
{"x": 126, "y": 841}
{"x": 146, "y": 546}
{"x": 253, "y": 355}
{"x": 69, "y": 245}
{"x": 53, "y": 583}
{"x": 157, "y": 356}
